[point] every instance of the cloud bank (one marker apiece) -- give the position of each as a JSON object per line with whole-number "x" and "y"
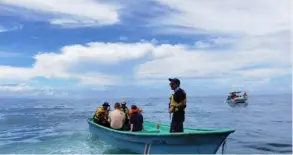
{"x": 79, "y": 13}
{"x": 238, "y": 43}
{"x": 257, "y": 58}
{"x": 249, "y": 17}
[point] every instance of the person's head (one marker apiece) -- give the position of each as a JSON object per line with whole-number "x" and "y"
{"x": 174, "y": 83}
{"x": 106, "y": 106}
{"x": 123, "y": 104}
{"x": 133, "y": 107}
{"x": 117, "y": 106}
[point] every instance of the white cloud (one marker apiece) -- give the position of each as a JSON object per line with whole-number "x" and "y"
{"x": 264, "y": 72}
{"x": 16, "y": 73}
{"x": 2, "y": 29}
{"x": 202, "y": 44}
{"x": 249, "y": 17}
{"x": 253, "y": 39}
{"x": 167, "y": 60}
{"x": 203, "y": 64}
{"x": 246, "y": 59}
{"x": 216, "y": 42}
{"x": 246, "y": 29}
{"x": 242, "y": 83}
{"x": 59, "y": 65}
{"x": 186, "y": 62}
{"x": 24, "y": 89}
{"x": 223, "y": 40}
{"x": 15, "y": 88}
{"x": 71, "y": 12}
{"x": 10, "y": 28}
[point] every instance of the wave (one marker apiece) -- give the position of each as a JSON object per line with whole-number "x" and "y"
{"x": 276, "y": 147}
{"x": 48, "y": 106}
{"x": 2, "y": 116}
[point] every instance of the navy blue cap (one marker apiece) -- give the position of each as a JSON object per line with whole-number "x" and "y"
{"x": 175, "y": 80}
{"x": 133, "y": 107}
{"x": 106, "y": 104}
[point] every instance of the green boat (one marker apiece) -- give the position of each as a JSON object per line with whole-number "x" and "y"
{"x": 161, "y": 141}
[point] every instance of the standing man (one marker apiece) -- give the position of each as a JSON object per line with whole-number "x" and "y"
{"x": 177, "y": 106}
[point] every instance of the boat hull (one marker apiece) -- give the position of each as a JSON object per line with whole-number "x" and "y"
{"x": 237, "y": 100}
{"x": 154, "y": 143}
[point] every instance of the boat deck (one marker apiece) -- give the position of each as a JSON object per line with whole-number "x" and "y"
{"x": 150, "y": 127}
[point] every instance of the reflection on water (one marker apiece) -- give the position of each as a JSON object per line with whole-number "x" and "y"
{"x": 233, "y": 105}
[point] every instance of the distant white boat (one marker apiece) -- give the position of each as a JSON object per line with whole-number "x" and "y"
{"x": 237, "y": 97}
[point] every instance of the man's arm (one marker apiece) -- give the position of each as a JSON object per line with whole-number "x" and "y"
{"x": 123, "y": 116}
{"x": 171, "y": 109}
{"x": 142, "y": 122}
{"x": 181, "y": 104}
{"x": 109, "y": 117}
{"x": 131, "y": 124}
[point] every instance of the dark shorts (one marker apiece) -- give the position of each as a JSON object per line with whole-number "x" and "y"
{"x": 126, "y": 127}
{"x": 176, "y": 127}
{"x": 103, "y": 123}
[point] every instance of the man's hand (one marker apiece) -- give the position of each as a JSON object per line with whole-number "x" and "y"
{"x": 181, "y": 104}
{"x": 171, "y": 109}
{"x": 131, "y": 128}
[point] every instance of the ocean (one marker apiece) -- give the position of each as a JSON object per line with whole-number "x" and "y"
{"x": 56, "y": 126}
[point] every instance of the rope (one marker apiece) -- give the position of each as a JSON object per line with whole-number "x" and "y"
{"x": 223, "y": 146}
{"x": 147, "y": 149}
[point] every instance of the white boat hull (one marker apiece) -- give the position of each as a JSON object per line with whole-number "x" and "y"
{"x": 238, "y": 100}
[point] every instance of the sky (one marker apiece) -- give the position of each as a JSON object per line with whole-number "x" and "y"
{"x": 99, "y": 48}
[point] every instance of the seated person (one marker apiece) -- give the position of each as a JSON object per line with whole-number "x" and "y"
{"x": 116, "y": 117}
{"x": 101, "y": 115}
{"x": 136, "y": 119}
{"x": 125, "y": 109}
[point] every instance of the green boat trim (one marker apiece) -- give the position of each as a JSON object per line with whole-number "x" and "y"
{"x": 150, "y": 130}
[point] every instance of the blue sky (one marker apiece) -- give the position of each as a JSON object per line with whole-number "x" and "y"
{"x": 90, "y": 48}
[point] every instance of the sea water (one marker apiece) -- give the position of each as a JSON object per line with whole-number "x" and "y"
{"x": 42, "y": 126}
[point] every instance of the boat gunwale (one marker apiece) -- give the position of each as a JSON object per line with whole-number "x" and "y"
{"x": 208, "y": 132}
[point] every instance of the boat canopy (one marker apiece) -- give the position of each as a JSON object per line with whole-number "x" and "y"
{"x": 237, "y": 92}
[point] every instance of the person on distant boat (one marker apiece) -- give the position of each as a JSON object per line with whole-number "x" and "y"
{"x": 125, "y": 109}
{"x": 135, "y": 119}
{"x": 244, "y": 95}
{"x": 117, "y": 117}
{"x": 101, "y": 115}
{"x": 177, "y": 106}
{"x": 233, "y": 95}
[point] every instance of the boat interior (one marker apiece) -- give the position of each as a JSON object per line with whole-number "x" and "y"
{"x": 155, "y": 128}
